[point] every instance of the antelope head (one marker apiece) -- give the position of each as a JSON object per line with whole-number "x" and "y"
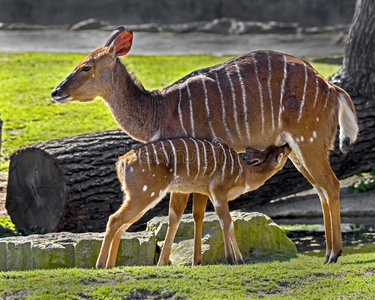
{"x": 273, "y": 156}
{"x": 93, "y": 75}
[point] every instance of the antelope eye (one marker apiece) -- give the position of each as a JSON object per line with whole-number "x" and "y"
{"x": 86, "y": 68}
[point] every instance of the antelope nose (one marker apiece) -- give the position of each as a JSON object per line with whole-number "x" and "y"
{"x": 54, "y": 92}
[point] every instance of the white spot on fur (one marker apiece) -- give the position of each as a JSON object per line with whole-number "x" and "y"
{"x": 221, "y": 223}
{"x": 93, "y": 76}
{"x": 294, "y": 146}
{"x": 144, "y": 188}
{"x": 311, "y": 139}
{"x": 231, "y": 226}
{"x": 153, "y": 175}
{"x": 302, "y": 138}
{"x": 314, "y": 134}
{"x": 170, "y": 170}
{"x": 172, "y": 215}
{"x": 320, "y": 193}
{"x": 131, "y": 169}
{"x": 152, "y": 194}
{"x": 325, "y": 193}
{"x": 317, "y": 119}
{"x": 143, "y": 170}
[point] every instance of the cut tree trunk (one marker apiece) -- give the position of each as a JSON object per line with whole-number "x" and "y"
{"x": 66, "y": 184}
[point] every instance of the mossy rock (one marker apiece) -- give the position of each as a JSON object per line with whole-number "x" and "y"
{"x": 257, "y": 237}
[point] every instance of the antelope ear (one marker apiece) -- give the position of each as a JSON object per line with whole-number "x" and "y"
{"x": 279, "y": 159}
{"x": 254, "y": 157}
{"x": 120, "y": 42}
{"x": 254, "y": 162}
{"x": 114, "y": 35}
{"x": 123, "y": 43}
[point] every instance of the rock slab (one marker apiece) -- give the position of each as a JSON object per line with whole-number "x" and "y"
{"x": 68, "y": 250}
{"x": 256, "y": 234}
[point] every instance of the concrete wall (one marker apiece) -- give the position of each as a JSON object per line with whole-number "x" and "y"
{"x": 63, "y": 12}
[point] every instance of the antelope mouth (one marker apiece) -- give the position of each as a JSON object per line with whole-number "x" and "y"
{"x": 62, "y": 99}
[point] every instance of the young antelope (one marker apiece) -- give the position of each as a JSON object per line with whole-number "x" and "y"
{"x": 186, "y": 165}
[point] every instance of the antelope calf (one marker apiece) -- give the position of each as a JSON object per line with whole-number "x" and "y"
{"x": 186, "y": 165}
{"x": 258, "y": 99}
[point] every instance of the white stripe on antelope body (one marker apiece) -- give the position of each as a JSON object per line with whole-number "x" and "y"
{"x": 180, "y": 172}
{"x": 258, "y": 99}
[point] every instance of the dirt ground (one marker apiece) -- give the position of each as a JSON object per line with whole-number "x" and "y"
{"x": 3, "y": 193}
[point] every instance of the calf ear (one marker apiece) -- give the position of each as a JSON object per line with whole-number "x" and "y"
{"x": 254, "y": 157}
{"x": 120, "y": 43}
{"x": 278, "y": 160}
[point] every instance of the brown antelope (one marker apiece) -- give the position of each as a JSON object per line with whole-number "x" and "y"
{"x": 258, "y": 99}
{"x": 185, "y": 165}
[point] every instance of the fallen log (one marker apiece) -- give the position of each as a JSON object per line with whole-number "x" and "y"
{"x": 70, "y": 184}
{"x": 67, "y": 184}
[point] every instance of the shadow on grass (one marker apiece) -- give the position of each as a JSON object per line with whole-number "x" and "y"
{"x": 254, "y": 259}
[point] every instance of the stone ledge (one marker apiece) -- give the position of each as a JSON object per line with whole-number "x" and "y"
{"x": 67, "y": 250}
{"x": 257, "y": 235}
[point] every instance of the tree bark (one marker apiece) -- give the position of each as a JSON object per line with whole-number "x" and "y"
{"x": 357, "y": 75}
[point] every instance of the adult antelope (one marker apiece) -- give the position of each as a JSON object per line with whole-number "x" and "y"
{"x": 186, "y": 165}
{"x": 258, "y": 99}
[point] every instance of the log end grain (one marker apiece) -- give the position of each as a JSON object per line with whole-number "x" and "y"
{"x": 36, "y": 195}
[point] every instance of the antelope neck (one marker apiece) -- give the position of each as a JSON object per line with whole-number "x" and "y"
{"x": 136, "y": 110}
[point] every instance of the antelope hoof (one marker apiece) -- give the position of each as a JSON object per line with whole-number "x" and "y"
{"x": 163, "y": 263}
{"x": 197, "y": 263}
{"x": 230, "y": 260}
{"x": 100, "y": 265}
{"x": 333, "y": 258}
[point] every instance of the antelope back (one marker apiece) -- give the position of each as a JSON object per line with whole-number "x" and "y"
{"x": 180, "y": 160}
{"x": 192, "y": 165}
{"x": 256, "y": 99}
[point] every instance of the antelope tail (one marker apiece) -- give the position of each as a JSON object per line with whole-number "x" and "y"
{"x": 347, "y": 121}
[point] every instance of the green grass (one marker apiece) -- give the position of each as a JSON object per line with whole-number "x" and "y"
{"x": 26, "y": 81}
{"x": 7, "y": 228}
{"x": 297, "y": 278}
